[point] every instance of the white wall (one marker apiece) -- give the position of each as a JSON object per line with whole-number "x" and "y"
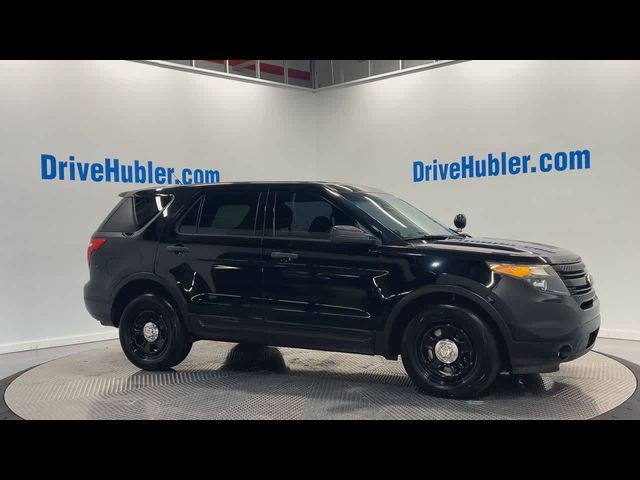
{"x": 127, "y": 110}
{"x": 371, "y": 133}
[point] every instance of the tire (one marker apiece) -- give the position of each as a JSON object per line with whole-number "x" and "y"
{"x": 469, "y": 367}
{"x": 173, "y": 342}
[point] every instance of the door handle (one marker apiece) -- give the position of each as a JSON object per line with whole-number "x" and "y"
{"x": 177, "y": 249}
{"x": 284, "y": 256}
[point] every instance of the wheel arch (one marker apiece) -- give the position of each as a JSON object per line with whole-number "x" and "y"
{"x": 137, "y": 285}
{"x": 388, "y": 343}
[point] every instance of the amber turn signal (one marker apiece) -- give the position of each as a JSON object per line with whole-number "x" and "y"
{"x": 520, "y": 271}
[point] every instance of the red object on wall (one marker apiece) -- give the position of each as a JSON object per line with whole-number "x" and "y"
{"x": 269, "y": 68}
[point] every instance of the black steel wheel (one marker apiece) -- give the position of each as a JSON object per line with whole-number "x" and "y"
{"x": 446, "y": 352}
{"x": 449, "y": 351}
{"x": 149, "y": 334}
{"x": 152, "y": 335}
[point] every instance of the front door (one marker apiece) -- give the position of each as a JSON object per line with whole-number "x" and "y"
{"x": 213, "y": 255}
{"x": 318, "y": 294}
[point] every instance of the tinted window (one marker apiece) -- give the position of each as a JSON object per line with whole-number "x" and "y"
{"x": 307, "y": 215}
{"x": 398, "y": 216}
{"x": 230, "y": 213}
{"x": 146, "y": 207}
{"x": 133, "y": 213}
{"x": 189, "y": 223}
{"x": 121, "y": 220}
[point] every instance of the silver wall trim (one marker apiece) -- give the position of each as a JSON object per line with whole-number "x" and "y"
{"x": 242, "y": 78}
{"x": 395, "y": 73}
{"x": 333, "y": 74}
{"x": 213, "y": 73}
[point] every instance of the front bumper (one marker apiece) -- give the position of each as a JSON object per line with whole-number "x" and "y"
{"x": 540, "y": 357}
{"x": 546, "y": 329}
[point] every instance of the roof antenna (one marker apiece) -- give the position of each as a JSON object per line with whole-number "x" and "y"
{"x": 178, "y": 182}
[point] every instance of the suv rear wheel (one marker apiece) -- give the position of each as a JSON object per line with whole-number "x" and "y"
{"x": 151, "y": 334}
{"x": 449, "y": 351}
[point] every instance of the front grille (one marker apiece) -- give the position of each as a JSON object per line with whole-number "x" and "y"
{"x": 574, "y": 276}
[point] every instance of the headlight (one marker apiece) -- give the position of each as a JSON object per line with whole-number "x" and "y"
{"x": 541, "y": 277}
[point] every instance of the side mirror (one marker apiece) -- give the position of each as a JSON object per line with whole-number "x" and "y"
{"x": 349, "y": 234}
{"x": 460, "y": 221}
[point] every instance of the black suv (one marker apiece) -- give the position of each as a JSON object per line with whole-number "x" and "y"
{"x": 334, "y": 267}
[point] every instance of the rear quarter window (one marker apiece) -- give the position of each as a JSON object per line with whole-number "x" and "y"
{"x": 133, "y": 213}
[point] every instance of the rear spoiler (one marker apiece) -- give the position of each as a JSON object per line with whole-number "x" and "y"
{"x": 146, "y": 191}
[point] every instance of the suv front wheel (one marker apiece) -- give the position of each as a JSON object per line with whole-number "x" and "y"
{"x": 449, "y": 351}
{"x": 152, "y": 335}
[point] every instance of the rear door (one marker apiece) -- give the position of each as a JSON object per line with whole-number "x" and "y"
{"x": 212, "y": 253}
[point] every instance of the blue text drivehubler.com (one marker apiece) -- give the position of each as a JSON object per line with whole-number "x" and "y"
{"x": 503, "y": 164}
{"x": 113, "y": 170}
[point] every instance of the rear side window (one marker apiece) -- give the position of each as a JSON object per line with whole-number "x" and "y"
{"x": 229, "y": 213}
{"x": 133, "y": 213}
{"x": 189, "y": 223}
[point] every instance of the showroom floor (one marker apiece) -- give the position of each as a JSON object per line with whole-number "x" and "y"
{"x": 11, "y": 363}
{"x": 225, "y": 381}
{"x": 221, "y": 380}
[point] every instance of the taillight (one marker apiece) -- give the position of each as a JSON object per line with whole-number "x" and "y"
{"x": 94, "y": 244}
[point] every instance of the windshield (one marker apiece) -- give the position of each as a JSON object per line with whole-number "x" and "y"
{"x": 399, "y": 216}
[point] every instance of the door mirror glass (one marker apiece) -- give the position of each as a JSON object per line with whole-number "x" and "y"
{"x": 349, "y": 234}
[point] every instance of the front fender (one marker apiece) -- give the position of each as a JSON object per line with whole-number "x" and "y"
{"x": 383, "y": 339}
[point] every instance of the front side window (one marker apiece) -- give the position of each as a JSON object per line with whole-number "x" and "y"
{"x": 400, "y": 217}
{"x": 306, "y": 215}
{"x": 223, "y": 213}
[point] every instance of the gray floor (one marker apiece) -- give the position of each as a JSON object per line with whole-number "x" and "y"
{"x": 11, "y": 363}
{"x": 627, "y": 349}
{"x": 236, "y": 382}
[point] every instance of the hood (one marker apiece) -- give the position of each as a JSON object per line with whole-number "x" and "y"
{"x": 549, "y": 253}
